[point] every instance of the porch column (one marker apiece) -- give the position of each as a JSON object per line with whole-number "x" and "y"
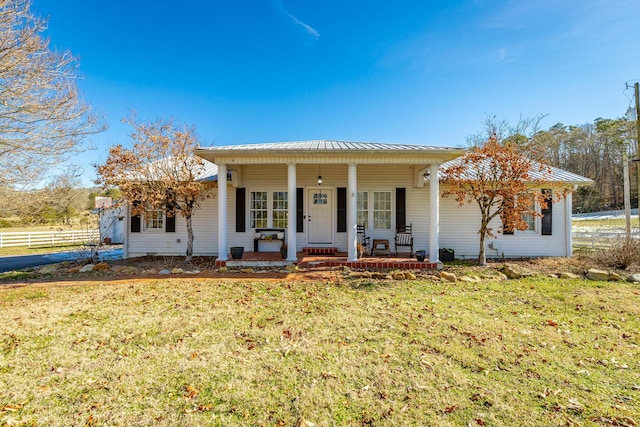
{"x": 434, "y": 213}
{"x": 222, "y": 212}
{"x": 291, "y": 213}
{"x": 352, "y": 207}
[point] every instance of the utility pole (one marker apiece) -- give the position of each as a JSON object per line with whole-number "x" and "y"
{"x": 637, "y": 159}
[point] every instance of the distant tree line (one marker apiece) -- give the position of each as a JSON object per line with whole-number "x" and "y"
{"x": 594, "y": 150}
{"x": 62, "y": 202}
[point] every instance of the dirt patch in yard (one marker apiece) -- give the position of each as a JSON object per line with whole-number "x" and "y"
{"x": 148, "y": 268}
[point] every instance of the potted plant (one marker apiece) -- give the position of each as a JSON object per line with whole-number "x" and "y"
{"x": 421, "y": 255}
{"x": 236, "y": 252}
{"x": 283, "y": 251}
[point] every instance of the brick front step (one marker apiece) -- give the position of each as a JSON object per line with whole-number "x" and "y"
{"x": 414, "y": 265}
{"x": 319, "y": 251}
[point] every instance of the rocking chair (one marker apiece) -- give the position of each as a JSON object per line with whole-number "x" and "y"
{"x": 404, "y": 238}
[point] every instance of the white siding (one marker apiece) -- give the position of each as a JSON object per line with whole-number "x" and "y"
{"x": 458, "y": 225}
{"x": 205, "y": 226}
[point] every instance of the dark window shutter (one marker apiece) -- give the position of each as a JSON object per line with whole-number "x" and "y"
{"x": 170, "y": 223}
{"x": 299, "y": 210}
{"x": 342, "y": 210}
{"x": 547, "y": 213}
{"x": 508, "y": 204}
{"x": 170, "y": 214}
{"x": 241, "y": 208}
{"x": 401, "y": 207}
{"x": 136, "y": 224}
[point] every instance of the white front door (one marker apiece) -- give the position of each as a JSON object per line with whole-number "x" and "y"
{"x": 319, "y": 216}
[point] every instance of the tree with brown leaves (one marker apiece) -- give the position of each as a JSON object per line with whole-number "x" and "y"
{"x": 42, "y": 117}
{"x": 502, "y": 181}
{"x": 159, "y": 170}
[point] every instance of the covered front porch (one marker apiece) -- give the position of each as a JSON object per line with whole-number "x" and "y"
{"x": 272, "y": 189}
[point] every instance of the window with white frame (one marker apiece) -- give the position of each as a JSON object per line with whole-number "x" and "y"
{"x": 153, "y": 218}
{"x": 362, "y": 211}
{"x": 382, "y": 210}
{"x": 279, "y": 205}
{"x": 269, "y": 209}
{"x": 530, "y": 219}
{"x": 259, "y": 209}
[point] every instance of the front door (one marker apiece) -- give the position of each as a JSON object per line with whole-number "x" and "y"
{"x": 319, "y": 216}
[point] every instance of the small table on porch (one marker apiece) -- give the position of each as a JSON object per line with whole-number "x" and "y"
{"x": 380, "y": 247}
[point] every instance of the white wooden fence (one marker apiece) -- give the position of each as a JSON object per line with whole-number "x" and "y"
{"x": 48, "y": 238}
{"x": 600, "y": 238}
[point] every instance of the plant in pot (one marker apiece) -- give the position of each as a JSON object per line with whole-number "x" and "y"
{"x": 283, "y": 251}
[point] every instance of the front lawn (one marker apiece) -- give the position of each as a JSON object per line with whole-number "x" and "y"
{"x": 194, "y": 352}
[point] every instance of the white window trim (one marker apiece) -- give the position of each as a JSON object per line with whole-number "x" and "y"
{"x": 537, "y": 223}
{"x": 143, "y": 220}
{"x": 370, "y": 208}
{"x": 269, "y": 206}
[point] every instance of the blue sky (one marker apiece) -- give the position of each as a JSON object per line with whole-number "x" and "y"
{"x": 413, "y": 72}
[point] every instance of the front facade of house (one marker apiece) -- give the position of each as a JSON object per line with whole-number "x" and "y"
{"x": 275, "y": 191}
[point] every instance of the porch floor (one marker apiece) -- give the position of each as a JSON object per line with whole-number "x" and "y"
{"x": 304, "y": 260}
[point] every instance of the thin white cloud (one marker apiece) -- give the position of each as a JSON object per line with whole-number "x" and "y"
{"x": 308, "y": 28}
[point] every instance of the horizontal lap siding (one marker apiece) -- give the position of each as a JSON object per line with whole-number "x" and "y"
{"x": 526, "y": 245}
{"x": 459, "y": 227}
{"x": 205, "y": 224}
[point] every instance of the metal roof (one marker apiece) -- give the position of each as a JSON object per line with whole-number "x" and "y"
{"x": 326, "y": 145}
{"x": 538, "y": 173}
{"x": 329, "y": 146}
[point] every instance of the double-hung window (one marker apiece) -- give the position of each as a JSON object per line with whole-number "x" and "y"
{"x": 382, "y": 210}
{"x": 377, "y": 215}
{"x": 530, "y": 219}
{"x": 268, "y": 209}
{"x": 279, "y": 203}
{"x": 153, "y": 218}
{"x": 259, "y": 209}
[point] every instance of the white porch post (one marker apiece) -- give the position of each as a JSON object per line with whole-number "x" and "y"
{"x": 222, "y": 212}
{"x": 434, "y": 213}
{"x": 352, "y": 206}
{"x": 291, "y": 213}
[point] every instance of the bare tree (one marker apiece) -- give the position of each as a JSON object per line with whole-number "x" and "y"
{"x": 42, "y": 116}
{"x": 158, "y": 170}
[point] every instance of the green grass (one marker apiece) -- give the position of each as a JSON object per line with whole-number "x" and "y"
{"x": 615, "y": 223}
{"x": 231, "y": 352}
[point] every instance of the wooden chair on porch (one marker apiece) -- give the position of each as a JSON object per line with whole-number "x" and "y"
{"x": 404, "y": 238}
{"x": 363, "y": 239}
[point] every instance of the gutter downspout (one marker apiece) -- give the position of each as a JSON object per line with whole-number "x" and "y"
{"x": 568, "y": 208}
{"x": 125, "y": 232}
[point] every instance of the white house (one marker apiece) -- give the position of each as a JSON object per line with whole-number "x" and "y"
{"x": 312, "y": 194}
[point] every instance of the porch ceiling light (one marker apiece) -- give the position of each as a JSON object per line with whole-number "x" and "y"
{"x": 319, "y": 179}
